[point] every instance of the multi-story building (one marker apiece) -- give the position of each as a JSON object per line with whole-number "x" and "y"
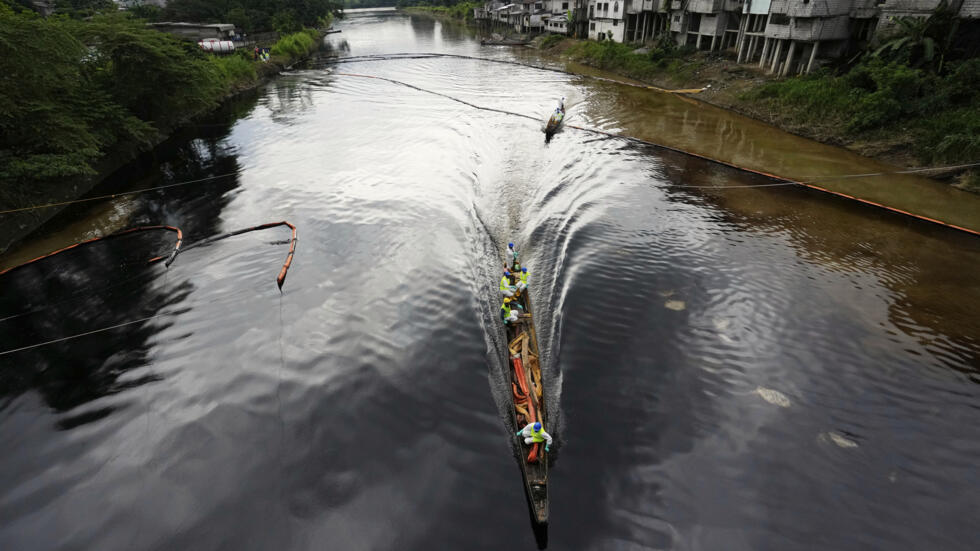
{"x": 606, "y": 19}
{"x": 781, "y": 36}
{"x": 646, "y": 19}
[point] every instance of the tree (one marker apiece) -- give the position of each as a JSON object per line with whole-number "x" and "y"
{"x": 921, "y": 41}
{"x": 155, "y": 76}
{"x": 54, "y": 118}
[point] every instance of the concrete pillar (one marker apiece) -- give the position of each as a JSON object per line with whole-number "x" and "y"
{"x": 741, "y": 53}
{"x": 697, "y": 45}
{"x": 740, "y": 37}
{"x": 765, "y": 52}
{"x": 789, "y": 58}
{"x": 813, "y": 55}
{"x": 752, "y": 46}
{"x": 775, "y": 56}
{"x": 714, "y": 39}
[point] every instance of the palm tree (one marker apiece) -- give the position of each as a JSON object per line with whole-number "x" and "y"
{"x": 917, "y": 40}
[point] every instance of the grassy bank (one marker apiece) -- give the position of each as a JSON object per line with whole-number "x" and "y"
{"x": 459, "y": 12}
{"x": 935, "y": 118}
{"x": 880, "y": 108}
{"x": 662, "y": 62}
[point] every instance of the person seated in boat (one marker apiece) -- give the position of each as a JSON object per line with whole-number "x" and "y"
{"x": 508, "y": 314}
{"x": 533, "y": 433}
{"x": 522, "y": 282}
{"x": 506, "y": 288}
{"x": 512, "y": 257}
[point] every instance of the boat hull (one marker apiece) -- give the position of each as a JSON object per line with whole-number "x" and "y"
{"x": 528, "y": 405}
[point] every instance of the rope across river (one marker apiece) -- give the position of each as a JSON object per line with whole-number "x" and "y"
{"x": 780, "y": 180}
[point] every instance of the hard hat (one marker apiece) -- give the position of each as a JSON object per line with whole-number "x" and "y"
{"x": 523, "y": 269}
{"x": 511, "y": 245}
{"x": 537, "y": 426}
{"x": 506, "y": 272}
{"x": 506, "y": 300}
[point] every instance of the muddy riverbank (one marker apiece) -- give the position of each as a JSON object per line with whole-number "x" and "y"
{"x": 737, "y": 87}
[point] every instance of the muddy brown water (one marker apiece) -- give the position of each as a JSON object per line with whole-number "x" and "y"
{"x": 737, "y": 368}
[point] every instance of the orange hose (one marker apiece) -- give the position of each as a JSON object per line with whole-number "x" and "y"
{"x": 532, "y": 457}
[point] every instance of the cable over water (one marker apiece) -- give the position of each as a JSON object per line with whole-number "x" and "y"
{"x": 701, "y": 348}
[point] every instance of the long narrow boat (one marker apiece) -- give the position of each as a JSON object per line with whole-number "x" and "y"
{"x": 527, "y": 393}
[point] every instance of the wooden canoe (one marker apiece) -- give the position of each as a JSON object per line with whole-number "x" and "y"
{"x": 528, "y": 399}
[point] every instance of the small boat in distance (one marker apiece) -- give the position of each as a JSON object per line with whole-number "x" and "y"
{"x": 557, "y": 117}
{"x": 527, "y": 394}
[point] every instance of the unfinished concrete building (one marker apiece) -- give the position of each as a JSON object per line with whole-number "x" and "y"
{"x": 646, "y": 19}
{"x": 782, "y": 36}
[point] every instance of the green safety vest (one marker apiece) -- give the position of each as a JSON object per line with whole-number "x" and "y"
{"x": 536, "y": 434}
{"x": 506, "y": 310}
{"x": 504, "y": 284}
{"x": 524, "y": 278}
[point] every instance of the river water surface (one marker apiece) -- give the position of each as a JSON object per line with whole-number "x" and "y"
{"x": 728, "y": 366}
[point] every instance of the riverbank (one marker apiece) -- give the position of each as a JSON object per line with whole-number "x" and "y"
{"x": 83, "y": 149}
{"x": 890, "y": 113}
{"x": 462, "y": 12}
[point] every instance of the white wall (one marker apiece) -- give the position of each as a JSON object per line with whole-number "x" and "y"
{"x": 606, "y": 25}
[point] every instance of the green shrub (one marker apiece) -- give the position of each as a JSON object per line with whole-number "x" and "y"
{"x": 295, "y": 45}
{"x": 940, "y": 114}
{"x": 235, "y": 69}
{"x": 551, "y": 40}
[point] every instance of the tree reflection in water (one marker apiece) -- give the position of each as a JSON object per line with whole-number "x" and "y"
{"x": 109, "y": 282}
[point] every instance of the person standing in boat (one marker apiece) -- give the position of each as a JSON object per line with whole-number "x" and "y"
{"x": 533, "y": 433}
{"x": 508, "y": 314}
{"x": 506, "y": 288}
{"x": 522, "y": 282}
{"x": 512, "y": 262}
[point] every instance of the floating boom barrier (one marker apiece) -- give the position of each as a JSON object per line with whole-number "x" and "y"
{"x": 280, "y": 279}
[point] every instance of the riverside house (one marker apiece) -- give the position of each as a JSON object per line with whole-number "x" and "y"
{"x": 781, "y": 36}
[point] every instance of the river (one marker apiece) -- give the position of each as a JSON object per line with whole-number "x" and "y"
{"x": 734, "y": 367}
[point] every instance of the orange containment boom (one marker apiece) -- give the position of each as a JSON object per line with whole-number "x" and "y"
{"x": 281, "y": 278}
{"x": 170, "y": 258}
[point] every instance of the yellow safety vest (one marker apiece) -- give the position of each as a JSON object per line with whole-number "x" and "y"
{"x": 536, "y": 434}
{"x": 506, "y": 310}
{"x": 524, "y": 278}
{"x": 504, "y": 284}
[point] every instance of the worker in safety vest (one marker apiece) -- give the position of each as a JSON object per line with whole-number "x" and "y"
{"x": 506, "y": 288}
{"x": 522, "y": 283}
{"x": 512, "y": 257}
{"x": 507, "y": 313}
{"x": 534, "y": 432}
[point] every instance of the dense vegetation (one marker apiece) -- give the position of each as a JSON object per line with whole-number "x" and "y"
{"x": 664, "y": 59}
{"x": 357, "y": 4}
{"x": 284, "y": 16}
{"x": 76, "y": 89}
{"x": 453, "y": 9}
{"x": 939, "y": 112}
